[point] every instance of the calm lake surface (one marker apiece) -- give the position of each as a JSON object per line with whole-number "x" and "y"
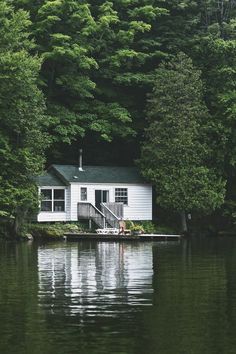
{"x": 123, "y": 298}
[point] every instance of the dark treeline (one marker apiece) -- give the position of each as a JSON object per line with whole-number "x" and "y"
{"x": 127, "y": 80}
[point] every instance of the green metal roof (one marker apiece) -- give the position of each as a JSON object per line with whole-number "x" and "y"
{"x": 97, "y": 174}
{"x": 49, "y": 179}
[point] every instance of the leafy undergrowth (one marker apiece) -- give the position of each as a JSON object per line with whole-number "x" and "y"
{"x": 56, "y": 230}
{"x": 149, "y": 227}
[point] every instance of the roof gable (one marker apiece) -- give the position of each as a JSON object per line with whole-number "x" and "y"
{"x": 50, "y": 179}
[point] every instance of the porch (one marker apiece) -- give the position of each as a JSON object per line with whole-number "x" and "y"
{"x": 103, "y": 215}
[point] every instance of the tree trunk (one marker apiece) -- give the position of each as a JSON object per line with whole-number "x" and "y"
{"x": 18, "y": 222}
{"x": 16, "y": 226}
{"x": 183, "y": 221}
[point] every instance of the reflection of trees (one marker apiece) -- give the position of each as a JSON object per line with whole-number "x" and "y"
{"x": 230, "y": 267}
{"x": 94, "y": 278}
{"x": 190, "y": 301}
{"x": 87, "y": 298}
{"x": 21, "y": 325}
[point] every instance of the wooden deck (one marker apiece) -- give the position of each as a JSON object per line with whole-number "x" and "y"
{"x": 112, "y": 237}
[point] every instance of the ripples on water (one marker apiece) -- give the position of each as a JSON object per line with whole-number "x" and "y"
{"x": 118, "y": 298}
{"x": 103, "y": 279}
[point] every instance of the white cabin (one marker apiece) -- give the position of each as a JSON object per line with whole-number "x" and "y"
{"x": 102, "y": 194}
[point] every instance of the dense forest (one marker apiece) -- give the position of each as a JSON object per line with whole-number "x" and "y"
{"x": 150, "y": 82}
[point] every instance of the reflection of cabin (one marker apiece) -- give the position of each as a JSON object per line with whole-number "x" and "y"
{"x": 90, "y": 272}
{"x": 102, "y": 194}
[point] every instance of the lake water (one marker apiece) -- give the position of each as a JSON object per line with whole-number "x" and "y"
{"x": 119, "y": 298}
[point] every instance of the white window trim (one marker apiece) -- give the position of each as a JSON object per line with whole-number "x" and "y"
{"x": 80, "y": 194}
{"x": 53, "y": 188}
{"x": 125, "y": 205}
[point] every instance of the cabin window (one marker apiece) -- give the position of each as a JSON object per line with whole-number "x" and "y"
{"x": 59, "y": 200}
{"x": 83, "y": 193}
{"x": 121, "y": 195}
{"x": 53, "y": 200}
{"x": 46, "y": 202}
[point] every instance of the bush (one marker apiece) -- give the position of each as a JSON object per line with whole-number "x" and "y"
{"x": 129, "y": 224}
{"x": 137, "y": 227}
{"x": 148, "y": 227}
{"x": 56, "y": 230}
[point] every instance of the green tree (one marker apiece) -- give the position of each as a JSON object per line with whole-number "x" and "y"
{"x": 97, "y": 64}
{"x": 213, "y": 49}
{"x": 176, "y": 156}
{"x": 22, "y": 141}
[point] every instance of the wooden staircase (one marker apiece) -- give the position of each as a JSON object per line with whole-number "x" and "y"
{"x": 109, "y": 215}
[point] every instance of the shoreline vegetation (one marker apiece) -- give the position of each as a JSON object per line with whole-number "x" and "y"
{"x": 131, "y": 83}
{"x": 56, "y": 231}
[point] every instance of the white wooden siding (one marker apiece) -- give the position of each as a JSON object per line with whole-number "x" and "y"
{"x": 68, "y": 203}
{"x": 139, "y": 199}
{"x": 139, "y": 203}
{"x": 74, "y": 201}
{"x": 45, "y": 216}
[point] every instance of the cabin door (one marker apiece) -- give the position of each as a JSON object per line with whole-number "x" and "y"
{"x": 101, "y": 197}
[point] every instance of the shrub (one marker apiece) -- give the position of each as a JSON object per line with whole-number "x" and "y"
{"x": 149, "y": 227}
{"x": 53, "y": 230}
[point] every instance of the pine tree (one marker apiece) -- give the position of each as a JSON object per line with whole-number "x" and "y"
{"x": 176, "y": 156}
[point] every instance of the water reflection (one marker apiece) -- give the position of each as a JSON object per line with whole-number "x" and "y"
{"x": 102, "y": 279}
{"x": 194, "y": 302}
{"x": 93, "y": 298}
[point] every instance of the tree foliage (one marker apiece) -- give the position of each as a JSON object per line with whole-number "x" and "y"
{"x": 176, "y": 155}
{"x": 22, "y": 140}
{"x": 96, "y": 62}
{"x": 94, "y": 54}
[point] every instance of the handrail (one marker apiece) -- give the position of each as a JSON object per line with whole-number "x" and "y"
{"x": 116, "y": 208}
{"x": 98, "y": 211}
{"x": 90, "y": 205}
{"x": 108, "y": 209}
{"x": 89, "y": 211}
{"x": 111, "y": 218}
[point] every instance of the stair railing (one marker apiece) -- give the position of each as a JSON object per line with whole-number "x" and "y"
{"x": 111, "y": 218}
{"x": 89, "y": 211}
{"x": 116, "y": 208}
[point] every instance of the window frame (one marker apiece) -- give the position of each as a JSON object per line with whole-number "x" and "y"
{"x": 122, "y": 198}
{"x": 86, "y": 194}
{"x": 52, "y": 200}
